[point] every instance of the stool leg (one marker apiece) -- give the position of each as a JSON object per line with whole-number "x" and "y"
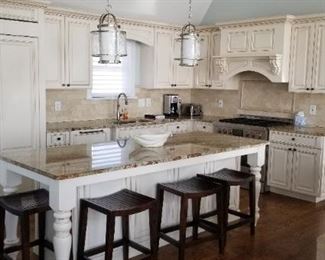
{"x": 110, "y": 229}
{"x": 160, "y": 201}
{"x": 83, "y": 218}
{"x": 226, "y": 207}
{"x": 252, "y": 205}
{"x": 221, "y": 220}
{"x": 125, "y": 231}
{"x": 153, "y": 220}
{"x": 24, "y": 229}
{"x": 41, "y": 233}
{"x": 182, "y": 228}
{"x": 196, "y": 204}
{"x": 2, "y": 231}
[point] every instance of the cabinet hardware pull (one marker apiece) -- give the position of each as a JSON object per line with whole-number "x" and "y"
{"x": 312, "y": 89}
{"x": 68, "y": 85}
{"x": 308, "y": 88}
{"x": 289, "y": 149}
{"x": 293, "y": 139}
{"x": 63, "y": 85}
{"x": 295, "y": 150}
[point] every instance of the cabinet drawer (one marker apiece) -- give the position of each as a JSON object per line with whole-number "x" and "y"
{"x": 295, "y": 139}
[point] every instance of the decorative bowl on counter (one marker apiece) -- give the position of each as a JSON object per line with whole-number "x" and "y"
{"x": 151, "y": 139}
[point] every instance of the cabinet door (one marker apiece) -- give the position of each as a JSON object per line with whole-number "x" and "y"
{"x": 203, "y": 69}
{"x": 54, "y": 51}
{"x": 280, "y": 167}
{"x": 215, "y": 77}
{"x": 164, "y": 58}
{"x": 319, "y": 60}
{"x": 183, "y": 76}
{"x": 306, "y": 171}
{"x": 301, "y": 60}
{"x": 19, "y": 113}
{"x": 78, "y": 53}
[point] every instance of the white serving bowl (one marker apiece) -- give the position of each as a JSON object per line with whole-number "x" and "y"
{"x": 151, "y": 139}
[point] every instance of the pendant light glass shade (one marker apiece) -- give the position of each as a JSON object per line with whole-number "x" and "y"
{"x": 108, "y": 42}
{"x": 190, "y": 43}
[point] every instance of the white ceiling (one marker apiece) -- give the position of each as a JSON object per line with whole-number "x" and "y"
{"x": 204, "y": 11}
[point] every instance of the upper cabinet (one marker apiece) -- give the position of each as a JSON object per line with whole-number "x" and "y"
{"x": 307, "y": 58}
{"x": 260, "y": 45}
{"x": 166, "y": 72}
{"x": 68, "y": 52}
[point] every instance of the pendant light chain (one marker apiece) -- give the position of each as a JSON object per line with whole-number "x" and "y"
{"x": 109, "y": 6}
{"x": 189, "y": 11}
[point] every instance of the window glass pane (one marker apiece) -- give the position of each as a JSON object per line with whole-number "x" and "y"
{"x": 108, "y": 80}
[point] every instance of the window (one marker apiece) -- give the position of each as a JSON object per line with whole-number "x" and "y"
{"x": 108, "y": 80}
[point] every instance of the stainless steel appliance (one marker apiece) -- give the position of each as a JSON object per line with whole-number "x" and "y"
{"x": 188, "y": 109}
{"x": 252, "y": 127}
{"x": 171, "y": 105}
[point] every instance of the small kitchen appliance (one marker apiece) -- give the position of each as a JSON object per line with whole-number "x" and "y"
{"x": 171, "y": 105}
{"x": 188, "y": 109}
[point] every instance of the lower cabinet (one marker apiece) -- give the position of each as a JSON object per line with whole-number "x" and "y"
{"x": 295, "y": 169}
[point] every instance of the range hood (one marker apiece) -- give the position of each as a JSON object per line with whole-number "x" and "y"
{"x": 259, "y": 45}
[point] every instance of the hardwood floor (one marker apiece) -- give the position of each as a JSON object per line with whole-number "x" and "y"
{"x": 288, "y": 229}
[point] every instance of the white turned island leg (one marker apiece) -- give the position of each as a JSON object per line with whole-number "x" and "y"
{"x": 62, "y": 235}
{"x": 256, "y": 161}
{"x": 257, "y": 172}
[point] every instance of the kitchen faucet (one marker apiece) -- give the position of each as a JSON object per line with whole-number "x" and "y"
{"x": 118, "y": 104}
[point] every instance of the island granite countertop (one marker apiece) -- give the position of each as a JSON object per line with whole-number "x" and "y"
{"x": 82, "y": 160}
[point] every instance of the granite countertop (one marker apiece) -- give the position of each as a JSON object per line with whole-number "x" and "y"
{"x": 83, "y": 160}
{"x": 308, "y": 130}
{"x": 110, "y": 123}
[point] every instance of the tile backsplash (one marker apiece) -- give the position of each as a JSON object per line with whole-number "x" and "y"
{"x": 256, "y": 95}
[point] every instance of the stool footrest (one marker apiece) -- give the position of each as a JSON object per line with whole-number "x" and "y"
{"x": 175, "y": 227}
{"x": 238, "y": 214}
{"x": 37, "y": 242}
{"x": 117, "y": 243}
{"x": 238, "y": 223}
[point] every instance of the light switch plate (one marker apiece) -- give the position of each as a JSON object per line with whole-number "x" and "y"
{"x": 220, "y": 103}
{"x": 57, "y": 106}
{"x": 313, "y": 110}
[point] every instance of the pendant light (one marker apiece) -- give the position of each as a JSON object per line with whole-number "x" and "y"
{"x": 190, "y": 43}
{"x": 109, "y": 41}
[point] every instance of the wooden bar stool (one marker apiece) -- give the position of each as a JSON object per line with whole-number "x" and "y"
{"x": 194, "y": 189}
{"x": 229, "y": 178}
{"x": 120, "y": 204}
{"x": 24, "y": 205}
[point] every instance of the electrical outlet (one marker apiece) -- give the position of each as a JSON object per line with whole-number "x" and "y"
{"x": 148, "y": 102}
{"x": 220, "y": 103}
{"x": 141, "y": 102}
{"x": 57, "y": 106}
{"x": 313, "y": 110}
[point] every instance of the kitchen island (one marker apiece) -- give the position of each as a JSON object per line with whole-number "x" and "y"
{"x": 74, "y": 172}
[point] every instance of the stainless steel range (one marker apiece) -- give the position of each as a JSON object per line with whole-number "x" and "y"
{"x": 251, "y": 127}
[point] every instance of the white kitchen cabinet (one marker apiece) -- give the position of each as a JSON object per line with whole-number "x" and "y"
{"x": 319, "y": 58}
{"x": 280, "y": 166}
{"x": 203, "y": 70}
{"x": 302, "y": 52}
{"x": 166, "y": 72}
{"x": 308, "y": 58}
{"x": 296, "y": 165}
{"x": 306, "y": 171}
{"x": 68, "y": 52}
{"x": 20, "y": 124}
{"x": 203, "y": 126}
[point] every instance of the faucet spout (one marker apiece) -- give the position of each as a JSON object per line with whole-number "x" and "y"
{"x": 118, "y": 105}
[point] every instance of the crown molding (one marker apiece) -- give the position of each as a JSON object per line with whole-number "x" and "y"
{"x": 256, "y": 22}
{"x": 310, "y": 18}
{"x": 95, "y": 17}
{"x": 207, "y": 28}
{"x": 27, "y": 3}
